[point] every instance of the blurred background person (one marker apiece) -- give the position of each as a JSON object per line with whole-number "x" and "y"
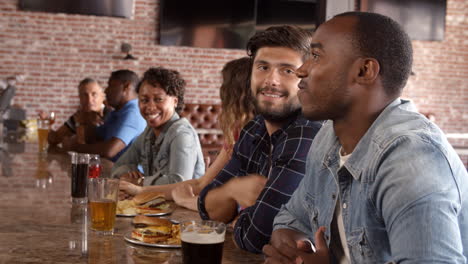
{"x": 169, "y": 149}
{"x": 91, "y": 110}
{"x": 237, "y": 109}
{"x": 120, "y": 127}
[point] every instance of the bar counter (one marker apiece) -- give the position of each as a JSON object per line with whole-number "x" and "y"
{"x": 39, "y": 224}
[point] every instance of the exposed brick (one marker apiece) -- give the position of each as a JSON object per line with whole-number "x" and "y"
{"x": 56, "y": 51}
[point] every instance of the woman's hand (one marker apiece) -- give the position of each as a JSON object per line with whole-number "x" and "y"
{"x": 182, "y": 192}
{"x": 134, "y": 177}
{"x": 129, "y": 188}
{"x": 183, "y": 195}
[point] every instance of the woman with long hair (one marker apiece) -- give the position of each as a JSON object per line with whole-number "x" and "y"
{"x": 237, "y": 110}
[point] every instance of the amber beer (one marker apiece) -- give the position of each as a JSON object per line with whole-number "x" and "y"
{"x": 103, "y": 215}
{"x": 42, "y": 134}
{"x": 102, "y": 196}
{"x": 202, "y": 243}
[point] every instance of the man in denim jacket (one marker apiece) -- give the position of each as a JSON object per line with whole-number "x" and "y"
{"x": 382, "y": 182}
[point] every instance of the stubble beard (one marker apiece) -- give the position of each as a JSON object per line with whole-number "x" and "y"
{"x": 282, "y": 114}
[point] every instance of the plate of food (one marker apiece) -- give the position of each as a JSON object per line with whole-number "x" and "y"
{"x": 150, "y": 204}
{"x": 154, "y": 232}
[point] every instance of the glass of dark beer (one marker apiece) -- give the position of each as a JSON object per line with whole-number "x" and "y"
{"x": 79, "y": 176}
{"x": 202, "y": 242}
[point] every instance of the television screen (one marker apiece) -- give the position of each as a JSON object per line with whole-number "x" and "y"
{"x": 230, "y": 23}
{"x": 306, "y": 14}
{"x": 207, "y": 23}
{"x": 422, "y": 19}
{"x": 116, "y": 8}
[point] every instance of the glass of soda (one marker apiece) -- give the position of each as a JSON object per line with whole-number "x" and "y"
{"x": 202, "y": 241}
{"x": 79, "y": 176}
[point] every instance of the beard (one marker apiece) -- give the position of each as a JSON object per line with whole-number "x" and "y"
{"x": 280, "y": 113}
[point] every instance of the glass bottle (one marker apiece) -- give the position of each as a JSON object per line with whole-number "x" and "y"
{"x": 95, "y": 167}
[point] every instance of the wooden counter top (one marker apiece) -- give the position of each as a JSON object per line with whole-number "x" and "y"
{"x": 39, "y": 224}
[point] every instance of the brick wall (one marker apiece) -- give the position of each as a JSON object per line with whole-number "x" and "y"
{"x": 55, "y": 51}
{"x": 440, "y": 83}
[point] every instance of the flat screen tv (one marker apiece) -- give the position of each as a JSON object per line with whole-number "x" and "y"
{"x": 115, "y": 8}
{"x": 422, "y": 19}
{"x": 307, "y": 14}
{"x": 230, "y": 23}
{"x": 207, "y": 23}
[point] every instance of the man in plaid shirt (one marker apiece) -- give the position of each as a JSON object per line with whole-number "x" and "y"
{"x": 268, "y": 160}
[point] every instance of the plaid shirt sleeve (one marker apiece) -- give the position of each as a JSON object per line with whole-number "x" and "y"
{"x": 254, "y": 225}
{"x": 228, "y": 172}
{"x": 233, "y": 168}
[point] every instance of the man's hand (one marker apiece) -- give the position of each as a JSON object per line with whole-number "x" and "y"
{"x": 42, "y": 115}
{"x": 280, "y": 238}
{"x": 245, "y": 190}
{"x": 93, "y": 118}
{"x": 69, "y": 143}
{"x": 288, "y": 253}
{"x": 90, "y": 118}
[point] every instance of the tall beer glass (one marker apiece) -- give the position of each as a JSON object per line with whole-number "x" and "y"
{"x": 79, "y": 176}
{"x": 42, "y": 134}
{"x": 103, "y": 194}
{"x": 202, "y": 242}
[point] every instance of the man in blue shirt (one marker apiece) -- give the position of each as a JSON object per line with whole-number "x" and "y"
{"x": 382, "y": 184}
{"x": 121, "y": 126}
{"x": 268, "y": 160}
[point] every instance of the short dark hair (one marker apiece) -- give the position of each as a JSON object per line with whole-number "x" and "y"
{"x": 170, "y": 81}
{"x": 380, "y": 37}
{"x": 292, "y": 37}
{"x": 125, "y": 76}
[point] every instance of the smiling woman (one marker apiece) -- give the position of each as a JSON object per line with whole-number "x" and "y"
{"x": 156, "y": 106}
{"x": 168, "y": 150}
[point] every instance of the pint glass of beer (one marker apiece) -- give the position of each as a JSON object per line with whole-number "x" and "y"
{"x": 202, "y": 242}
{"x": 42, "y": 133}
{"x": 79, "y": 176}
{"x": 102, "y": 195}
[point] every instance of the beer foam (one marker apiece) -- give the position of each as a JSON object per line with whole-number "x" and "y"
{"x": 202, "y": 238}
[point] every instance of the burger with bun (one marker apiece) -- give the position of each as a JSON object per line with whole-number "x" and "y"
{"x": 150, "y": 203}
{"x": 151, "y": 229}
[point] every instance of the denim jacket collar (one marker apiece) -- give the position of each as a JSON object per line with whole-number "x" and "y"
{"x": 363, "y": 151}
